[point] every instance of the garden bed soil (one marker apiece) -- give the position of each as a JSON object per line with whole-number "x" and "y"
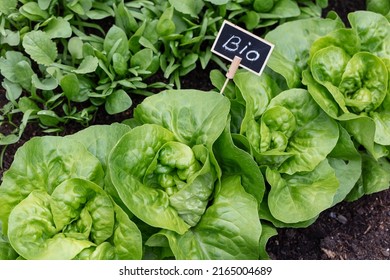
{"x": 349, "y": 230}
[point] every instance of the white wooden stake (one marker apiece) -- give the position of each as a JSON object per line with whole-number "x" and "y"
{"x": 232, "y": 71}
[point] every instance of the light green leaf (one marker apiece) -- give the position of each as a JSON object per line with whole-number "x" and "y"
{"x": 45, "y": 84}
{"x": 343, "y": 38}
{"x": 33, "y": 12}
{"x": 26, "y": 104}
{"x": 128, "y": 163}
{"x": 373, "y": 30}
{"x": 292, "y": 42}
{"x": 282, "y": 9}
{"x": 257, "y": 93}
{"x": 58, "y": 27}
{"x": 6, "y": 7}
{"x": 75, "y": 47}
{"x": 364, "y": 82}
{"x": 236, "y": 161}
{"x": 80, "y": 6}
{"x": 10, "y": 37}
{"x": 356, "y": 125}
{"x": 100, "y": 139}
{"x": 88, "y": 65}
{"x": 13, "y": 91}
{"x": 70, "y": 85}
{"x": 142, "y": 59}
{"x": 117, "y": 102}
{"x": 127, "y": 238}
{"x": 49, "y": 160}
{"x": 267, "y": 231}
{"x": 302, "y": 196}
{"x": 96, "y": 14}
{"x": 189, "y": 7}
{"x": 347, "y": 163}
{"x": 321, "y": 95}
{"x": 31, "y": 220}
{"x": 382, "y": 127}
{"x": 266, "y": 215}
{"x": 120, "y": 64}
{"x": 124, "y": 19}
{"x": 375, "y": 177}
{"x": 17, "y": 69}
{"x": 49, "y": 118}
{"x": 165, "y": 25}
{"x": 218, "y": 2}
{"x": 195, "y": 117}
{"x": 40, "y": 47}
{"x": 44, "y": 4}
{"x": 116, "y": 42}
{"x": 229, "y": 230}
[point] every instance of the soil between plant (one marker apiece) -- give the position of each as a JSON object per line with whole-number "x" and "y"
{"x": 355, "y": 230}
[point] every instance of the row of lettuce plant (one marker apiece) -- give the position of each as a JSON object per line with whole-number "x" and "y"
{"x": 62, "y": 60}
{"x": 200, "y": 175}
{"x": 317, "y": 122}
{"x": 168, "y": 183}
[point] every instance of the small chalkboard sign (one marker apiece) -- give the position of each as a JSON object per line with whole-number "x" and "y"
{"x": 234, "y": 41}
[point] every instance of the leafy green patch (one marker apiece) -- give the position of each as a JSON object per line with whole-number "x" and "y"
{"x": 69, "y": 59}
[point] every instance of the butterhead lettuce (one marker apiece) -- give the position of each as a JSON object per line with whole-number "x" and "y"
{"x": 78, "y": 220}
{"x": 229, "y": 229}
{"x": 54, "y": 206}
{"x": 164, "y": 169}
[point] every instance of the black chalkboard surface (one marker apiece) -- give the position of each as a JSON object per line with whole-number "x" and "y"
{"x": 233, "y": 40}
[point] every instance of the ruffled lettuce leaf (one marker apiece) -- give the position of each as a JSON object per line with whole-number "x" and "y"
{"x": 42, "y": 164}
{"x": 292, "y": 42}
{"x": 77, "y": 218}
{"x": 346, "y": 161}
{"x": 229, "y": 229}
{"x": 193, "y": 116}
{"x": 293, "y": 134}
{"x": 163, "y": 182}
{"x": 238, "y": 162}
{"x": 375, "y": 177}
{"x": 301, "y": 196}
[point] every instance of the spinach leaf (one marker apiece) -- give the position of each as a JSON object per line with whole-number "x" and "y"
{"x": 40, "y": 47}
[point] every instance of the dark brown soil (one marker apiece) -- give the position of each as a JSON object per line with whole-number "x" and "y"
{"x": 352, "y": 231}
{"x": 357, "y": 230}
